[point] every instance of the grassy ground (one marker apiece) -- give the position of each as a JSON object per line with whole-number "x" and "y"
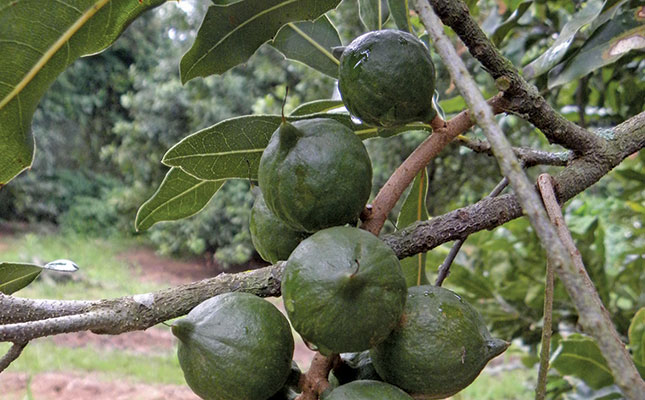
{"x": 103, "y": 273}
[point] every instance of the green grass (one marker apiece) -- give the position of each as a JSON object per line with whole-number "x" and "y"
{"x": 517, "y": 384}
{"x": 101, "y": 274}
{"x": 45, "y": 356}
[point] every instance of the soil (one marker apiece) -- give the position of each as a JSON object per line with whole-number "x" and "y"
{"x": 94, "y": 386}
{"x": 67, "y": 385}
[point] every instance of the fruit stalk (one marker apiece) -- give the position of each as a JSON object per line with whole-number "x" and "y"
{"x": 314, "y": 382}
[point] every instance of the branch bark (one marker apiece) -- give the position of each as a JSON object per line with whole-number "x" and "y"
{"x": 582, "y": 172}
{"x": 441, "y": 136}
{"x": 315, "y": 382}
{"x": 528, "y": 156}
{"x": 444, "y": 269}
{"x": 140, "y": 312}
{"x": 524, "y": 98}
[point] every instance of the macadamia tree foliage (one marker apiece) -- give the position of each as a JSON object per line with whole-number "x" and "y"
{"x": 545, "y": 98}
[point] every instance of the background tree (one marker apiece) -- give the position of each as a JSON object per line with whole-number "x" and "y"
{"x": 589, "y": 75}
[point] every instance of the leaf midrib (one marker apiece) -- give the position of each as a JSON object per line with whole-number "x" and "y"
{"x": 221, "y": 153}
{"x": 44, "y": 59}
{"x": 193, "y": 188}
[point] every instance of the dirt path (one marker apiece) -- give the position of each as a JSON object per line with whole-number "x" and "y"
{"x": 74, "y": 386}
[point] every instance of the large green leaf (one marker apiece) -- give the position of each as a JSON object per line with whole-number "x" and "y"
{"x": 229, "y": 149}
{"x": 230, "y": 34}
{"x": 179, "y": 196}
{"x": 37, "y": 42}
{"x": 15, "y": 276}
{"x": 511, "y": 22}
{"x": 316, "y": 106}
{"x": 579, "y": 355}
{"x": 311, "y": 44}
{"x": 560, "y": 47}
{"x": 400, "y": 11}
{"x": 613, "y": 40}
{"x": 373, "y": 13}
{"x": 414, "y": 209}
{"x": 637, "y": 337}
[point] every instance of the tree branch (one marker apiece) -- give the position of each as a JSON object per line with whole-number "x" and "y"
{"x": 524, "y": 98}
{"x": 582, "y": 172}
{"x": 489, "y": 213}
{"x": 528, "y": 156}
{"x": 140, "y": 312}
{"x": 390, "y": 193}
{"x": 13, "y": 353}
{"x": 16, "y": 309}
{"x": 444, "y": 269}
{"x": 540, "y": 387}
{"x": 593, "y": 316}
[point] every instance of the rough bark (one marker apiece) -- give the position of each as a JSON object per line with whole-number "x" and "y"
{"x": 524, "y": 98}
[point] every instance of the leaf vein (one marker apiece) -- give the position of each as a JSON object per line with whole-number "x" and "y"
{"x": 237, "y": 28}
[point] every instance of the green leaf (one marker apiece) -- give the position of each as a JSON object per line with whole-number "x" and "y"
{"x": 400, "y": 12}
{"x": 373, "y": 13}
{"x": 316, "y": 106}
{"x": 511, "y": 22}
{"x": 636, "y": 335}
{"x": 589, "y": 235}
{"x": 414, "y": 209}
{"x": 15, "y": 276}
{"x": 311, "y": 44}
{"x": 37, "y": 43}
{"x": 179, "y": 196}
{"x": 613, "y": 40}
{"x": 560, "y": 47}
{"x": 232, "y": 148}
{"x": 229, "y": 149}
{"x": 632, "y": 175}
{"x": 473, "y": 283}
{"x": 230, "y": 34}
{"x": 579, "y": 355}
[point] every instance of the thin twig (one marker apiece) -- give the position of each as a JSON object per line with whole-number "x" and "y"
{"x": 12, "y": 354}
{"x": 443, "y": 133}
{"x": 528, "y": 156}
{"x": 444, "y": 269}
{"x": 594, "y": 317}
{"x": 540, "y": 389}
